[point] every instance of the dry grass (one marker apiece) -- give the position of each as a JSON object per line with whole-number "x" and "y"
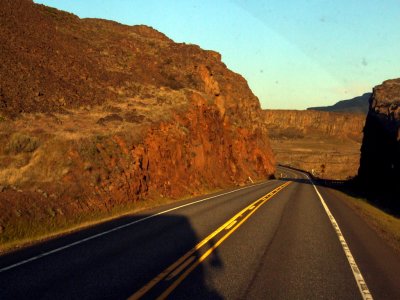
{"x": 32, "y": 147}
{"x": 19, "y": 143}
{"x": 387, "y": 226}
{"x": 340, "y": 157}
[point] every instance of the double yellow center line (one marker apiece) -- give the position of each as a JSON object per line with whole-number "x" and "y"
{"x": 180, "y": 269}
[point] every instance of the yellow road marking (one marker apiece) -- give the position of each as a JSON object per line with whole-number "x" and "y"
{"x": 180, "y": 268}
{"x": 173, "y": 286}
{"x": 230, "y": 225}
{"x": 182, "y": 260}
{"x": 168, "y": 270}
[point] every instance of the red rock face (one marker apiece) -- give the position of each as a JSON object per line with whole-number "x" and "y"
{"x": 196, "y": 152}
{"x": 181, "y": 122}
{"x": 380, "y": 153}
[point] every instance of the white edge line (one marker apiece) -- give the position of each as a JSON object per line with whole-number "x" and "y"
{"x": 118, "y": 228}
{"x": 362, "y": 285}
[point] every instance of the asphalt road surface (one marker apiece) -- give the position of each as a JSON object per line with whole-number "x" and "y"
{"x": 280, "y": 239}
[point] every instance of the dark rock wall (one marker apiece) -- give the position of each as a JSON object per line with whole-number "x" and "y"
{"x": 379, "y": 173}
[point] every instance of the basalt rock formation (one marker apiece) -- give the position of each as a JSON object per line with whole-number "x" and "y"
{"x": 302, "y": 123}
{"x": 326, "y": 144}
{"x": 379, "y": 172}
{"x": 95, "y": 114}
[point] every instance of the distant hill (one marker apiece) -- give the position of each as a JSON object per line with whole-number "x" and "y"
{"x": 356, "y": 105}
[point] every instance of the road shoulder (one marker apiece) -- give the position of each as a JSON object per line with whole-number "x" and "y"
{"x": 378, "y": 262}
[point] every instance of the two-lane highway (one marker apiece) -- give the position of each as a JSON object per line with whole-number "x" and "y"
{"x": 281, "y": 239}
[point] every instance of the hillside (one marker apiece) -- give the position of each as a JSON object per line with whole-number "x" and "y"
{"x": 96, "y": 117}
{"x": 358, "y": 105}
{"x": 324, "y": 143}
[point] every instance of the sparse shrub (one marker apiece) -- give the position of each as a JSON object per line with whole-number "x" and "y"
{"x": 168, "y": 61}
{"x": 162, "y": 99}
{"x": 50, "y": 211}
{"x": 286, "y": 133}
{"x": 88, "y": 167}
{"x": 110, "y": 118}
{"x": 21, "y": 143}
{"x": 191, "y": 80}
{"x": 100, "y": 138}
{"x": 185, "y": 129}
{"x": 322, "y": 169}
{"x": 112, "y": 109}
{"x": 88, "y": 149}
{"x": 97, "y": 178}
{"x": 133, "y": 117}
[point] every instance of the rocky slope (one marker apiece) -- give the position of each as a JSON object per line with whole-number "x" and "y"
{"x": 96, "y": 115}
{"x": 355, "y": 105}
{"x": 379, "y": 172}
{"x": 325, "y": 143}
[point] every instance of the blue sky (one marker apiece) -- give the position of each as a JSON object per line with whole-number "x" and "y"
{"x": 294, "y": 54}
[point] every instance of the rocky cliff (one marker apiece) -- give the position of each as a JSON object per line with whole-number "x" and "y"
{"x": 324, "y": 143}
{"x": 95, "y": 115}
{"x": 379, "y": 171}
{"x": 302, "y": 123}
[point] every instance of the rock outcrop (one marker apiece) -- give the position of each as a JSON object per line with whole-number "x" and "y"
{"x": 326, "y": 144}
{"x": 95, "y": 115}
{"x": 379, "y": 171}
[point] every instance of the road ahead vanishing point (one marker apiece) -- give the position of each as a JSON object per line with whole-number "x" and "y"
{"x": 280, "y": 239}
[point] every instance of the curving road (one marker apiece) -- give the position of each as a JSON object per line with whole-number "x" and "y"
{"x": 280, "y": 239}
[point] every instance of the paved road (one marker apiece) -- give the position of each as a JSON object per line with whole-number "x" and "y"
{"x": 272, "y": 240}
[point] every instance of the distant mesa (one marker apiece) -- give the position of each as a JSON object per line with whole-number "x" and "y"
{"x": 326, "y": 144}
{"x": 355, "y": 105}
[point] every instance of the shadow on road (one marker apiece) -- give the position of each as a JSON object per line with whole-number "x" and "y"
{"x": 111, "y": 266}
